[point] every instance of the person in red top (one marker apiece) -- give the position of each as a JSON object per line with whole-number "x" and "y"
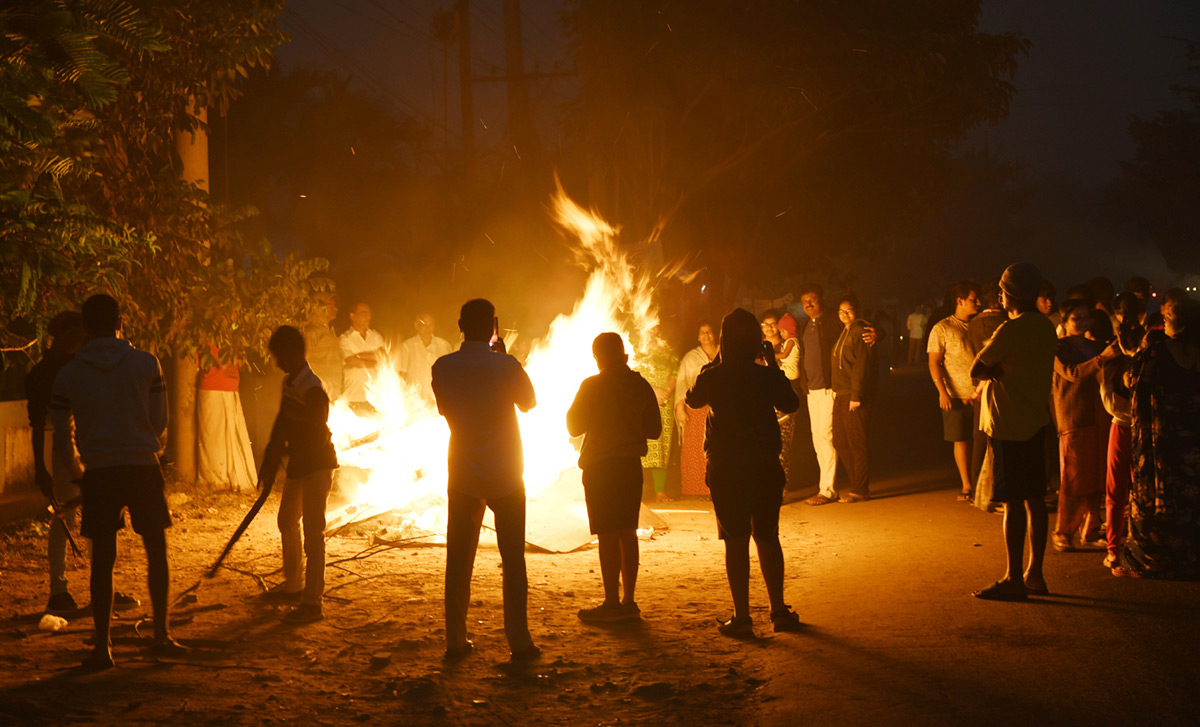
{"x": 226, "y": 460}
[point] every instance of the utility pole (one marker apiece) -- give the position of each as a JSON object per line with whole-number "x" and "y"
{"x": 520, "y": 123}
{"x": 464, "y": 73}
{"x": 192, "y": 147}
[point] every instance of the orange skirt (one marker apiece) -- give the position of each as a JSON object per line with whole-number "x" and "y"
{"x": 692, "y": 460}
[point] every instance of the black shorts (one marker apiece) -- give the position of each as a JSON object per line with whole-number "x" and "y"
{"x": 1020, "y": 469}
{"x": 958, "y": 424}
{"x": 612, "y": 489}
{"x": 746, "y": 498}
{"x": 107, "y": 491}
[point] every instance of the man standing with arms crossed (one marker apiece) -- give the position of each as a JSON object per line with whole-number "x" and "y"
{"x": 476, "y": 390}
{"x": 950, "y": 359}
{"x": 119, "y": 401}
{"x": 1017, "y": 366}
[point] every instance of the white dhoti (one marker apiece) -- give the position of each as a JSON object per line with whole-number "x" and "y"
{"x": 226, "y": 460}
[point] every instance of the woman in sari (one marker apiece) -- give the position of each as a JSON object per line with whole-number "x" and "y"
{"x": 1164, "y": 502}
{"x": 691, "y": 421}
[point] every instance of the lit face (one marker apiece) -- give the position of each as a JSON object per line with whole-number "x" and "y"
{"x": 811, "y": 303}
{"x": 706, "y": 337}
{"x": 846, "y": 313}
{"x": 1077, "y": 321}
{"x": 770, "y": 327}
{"x": 1169, "y": 320}
{"x": 1045, "y": 306}
{"x": 970, "y": 304}
{"x": 360, "y": 317}
{"x": 424, "y": 325}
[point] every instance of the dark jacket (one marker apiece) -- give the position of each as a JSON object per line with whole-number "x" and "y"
{"x": 828, "y": 330}
{"x": 300, "y": 430}
{"x": 616, "y": 412}
{"x": 855, "y": 371}
{"x": 742, "y": 426}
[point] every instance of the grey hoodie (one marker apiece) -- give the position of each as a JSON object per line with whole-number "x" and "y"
{"x": 119, "y": 401}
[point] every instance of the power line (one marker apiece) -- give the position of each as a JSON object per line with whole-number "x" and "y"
{"x": 356, "y": 68}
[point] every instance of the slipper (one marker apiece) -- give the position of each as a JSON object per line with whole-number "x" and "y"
{"x": 1042, "y": 591}
{"x": 1007, "y": 591}
{"x": 965, "y": 497}
{"x": 1121, "y": 571}
{"x": 97, "y": 661}
{"x": 736, "y": 627}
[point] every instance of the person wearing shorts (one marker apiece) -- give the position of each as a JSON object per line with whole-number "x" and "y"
{"x": 950, "y": 359}
{"x": 616, "y": 412}
{"x": 118, "y": 400}
{"x": 1017, "y": 367}
{"x": 742, "y": 444}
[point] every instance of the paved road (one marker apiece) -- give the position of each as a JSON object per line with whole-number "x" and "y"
{"x": 895, "y": 637}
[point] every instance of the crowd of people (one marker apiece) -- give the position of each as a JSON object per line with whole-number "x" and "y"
{"x": 1100, "y": 395}
{"x": 1097, "y": 390}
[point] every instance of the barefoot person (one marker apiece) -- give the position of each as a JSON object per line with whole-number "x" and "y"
{"x": 1017, "y": 366}
{"x": 744, "y": 473}
{"x": 119, "y": 403}
{"x": 615, "y": 412}
{"x": 478, "y": 392}
{"x": 301, "y": 433}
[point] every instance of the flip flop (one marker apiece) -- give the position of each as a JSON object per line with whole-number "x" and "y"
{"x": 1043, "y": 591}
{"x": 1003, "y": 592}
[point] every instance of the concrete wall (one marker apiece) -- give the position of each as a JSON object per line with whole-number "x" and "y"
{"x": 19, "y": 496}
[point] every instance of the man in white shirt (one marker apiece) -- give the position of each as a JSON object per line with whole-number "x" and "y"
{"x": 362, "y": 353}
{"x": 950, "y": 359}
{"x": 478, "y": 391}
{"x": 916, "y": 334}
{"x": 418, "y": 353}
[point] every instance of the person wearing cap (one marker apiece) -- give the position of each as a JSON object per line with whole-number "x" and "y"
{"x": 1016, "y": 366}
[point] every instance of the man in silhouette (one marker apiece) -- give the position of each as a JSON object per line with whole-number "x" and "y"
{"x": 479, "y": 391}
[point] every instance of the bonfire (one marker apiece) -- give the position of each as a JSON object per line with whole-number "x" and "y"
{"x": 401, "y": 449}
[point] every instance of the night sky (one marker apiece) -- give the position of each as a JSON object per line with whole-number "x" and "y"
{"x": 1094, "y": 65}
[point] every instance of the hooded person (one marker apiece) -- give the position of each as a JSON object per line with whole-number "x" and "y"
{"x": 743, "y": 471}
{"x": 118, "y": 400}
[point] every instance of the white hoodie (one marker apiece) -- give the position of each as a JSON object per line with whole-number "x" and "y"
{"x": 119, "y": 401}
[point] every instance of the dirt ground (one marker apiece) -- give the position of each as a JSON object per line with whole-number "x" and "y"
{"x": 893, "y": 636}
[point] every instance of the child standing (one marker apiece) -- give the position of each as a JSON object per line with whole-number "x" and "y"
{"x": 615, "y": 411}
{"x": 301, "y": 432}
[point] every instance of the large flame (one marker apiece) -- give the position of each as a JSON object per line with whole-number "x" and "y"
{"x": 403, "y": 447}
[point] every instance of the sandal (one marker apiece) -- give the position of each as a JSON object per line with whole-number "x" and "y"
{"x": 966, "y": 497}
{"x": 786, "y": 620}
{"x": 736, "y": 627}
{"x": 1003, "y": 591}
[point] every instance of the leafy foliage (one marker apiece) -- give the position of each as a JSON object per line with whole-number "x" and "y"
{"x": 90, "y": 193}
{"x": 55, "y": 77}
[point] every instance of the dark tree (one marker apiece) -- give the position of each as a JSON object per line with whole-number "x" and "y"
{"x": 768, "y": 129}
{"x": 1160, "y": 186}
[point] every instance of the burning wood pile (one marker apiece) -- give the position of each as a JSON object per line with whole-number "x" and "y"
{"x": 401, "y": 450}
